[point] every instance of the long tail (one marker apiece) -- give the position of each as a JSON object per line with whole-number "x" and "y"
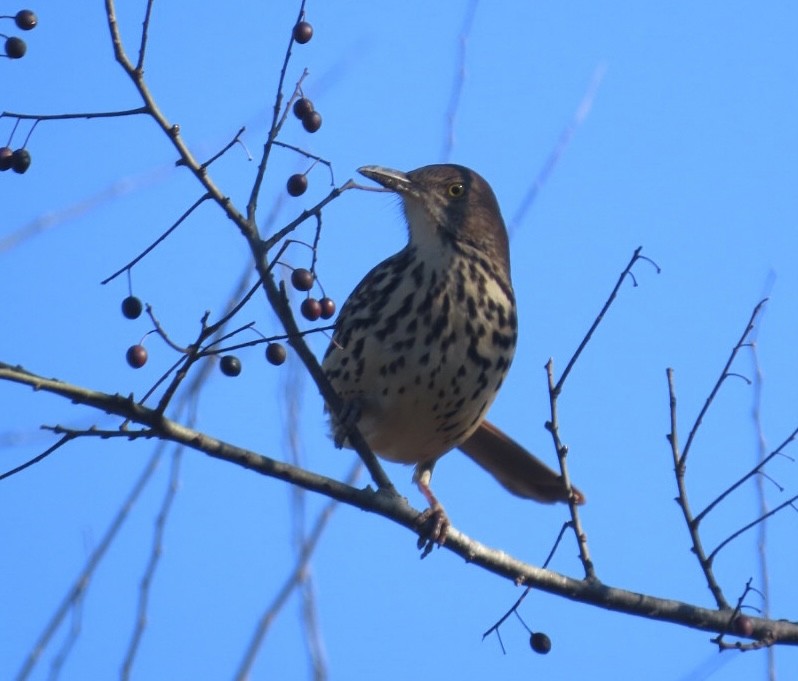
{"x": 515, "y": 468}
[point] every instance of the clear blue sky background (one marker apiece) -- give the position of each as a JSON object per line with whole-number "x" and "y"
{"x": 689, "y": 150}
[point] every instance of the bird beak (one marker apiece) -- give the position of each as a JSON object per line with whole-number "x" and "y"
{"x": 393, "y": 180}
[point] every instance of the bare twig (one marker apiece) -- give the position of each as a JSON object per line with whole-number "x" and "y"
{"x": 750, "y": 474}
{"x": 70, "y": 116}
{"x": 459, "y": 79}
{"x": 18, "y": 469}
{"x": 626, "y": 272}
{"x": 163, "y": 236}
{"x": 566, "y": 135}
{"x": 517, "y": 604}
{"x": 75, "y": 593}
{"x": 723, "y": 376}
{"x": 553, "y": 426}
{"x": 787, "y": 504}
{"x": 684, "y": 504}
{"x": 152, "y": 565}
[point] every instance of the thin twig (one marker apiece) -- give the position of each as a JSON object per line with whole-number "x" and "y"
{"x": 292, "y": 581}
{"x": 145, "y": 31}
{"x": 692, "y": 526}
{"x": 554, "y": 156}
{"x": 458, "y": 84}
{"x": 152, "y": 564}
{"x": 753, "y": 472}
{"x": 627, "y": 271}
{"x": 75, "y": 593}
{"x": 163, "y": 236}
{"x": 789, "y": 503}
{"x": 18, "y": 469}
{"x": 723, "y": 376}
{"x": 69, "y": 116}
{"x": 553, "y": 426}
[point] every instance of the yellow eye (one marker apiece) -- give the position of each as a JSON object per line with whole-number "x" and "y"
{"x": 456, "y": 190}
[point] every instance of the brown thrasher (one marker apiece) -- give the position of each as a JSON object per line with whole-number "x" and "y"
{"x": 425, "y": 340}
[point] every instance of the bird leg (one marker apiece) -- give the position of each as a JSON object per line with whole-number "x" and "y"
{"x": 433, "y": 524}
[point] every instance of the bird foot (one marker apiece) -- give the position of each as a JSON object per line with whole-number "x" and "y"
{"x": 433, "y": 528}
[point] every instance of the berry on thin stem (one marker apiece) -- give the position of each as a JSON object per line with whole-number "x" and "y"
{"x": 540, "y": 642}
{"x": 15, "y": 47}
{"x": 20, "y": 161}
{"x": 310, "y": 309}
{"x": 136, "y": 356}
{"x": 303, "y": 32}
{"x": 312, "y": 122}
{"x": 6, "y": 158}
{"x": 302, "y": 107}
{"x": 26, "y": 20}
{"x": 297, "y": 184}
{"x": 327, "y": 307}
{"x": 131, "y": 307}
{"x": 275, "y": 353}
{"x": 230, "y": 365}
{"x": 302, "y": 279}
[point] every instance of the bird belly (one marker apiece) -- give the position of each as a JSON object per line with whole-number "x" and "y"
{"x": 424, "y": 366}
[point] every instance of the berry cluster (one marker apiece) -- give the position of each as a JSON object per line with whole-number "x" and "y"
{"x": 17, "y": 160}
{"x": 311, "y": 308}
{"x": 25, "y": 20}
{"x": 230, "y": 365}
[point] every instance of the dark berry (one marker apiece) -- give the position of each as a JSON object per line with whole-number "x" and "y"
{"x": 302, "y": 107}
{"x": 15, "y": 47}
{"x": 540, "y": 642}
{"x": 6, "y": 158}
{"x": 131, "y": 307}
{"x": 303, "y": 32}
{"x": 20, "y": 161}
{"x": 136, "y": 356}
{"x": 302, "y": 279}
{"x": 327, "y": 307}
{"x": 310, "y": 308}
{"x": 230, "y": 365}
{"x": 275, "y": 353}
{"x": 312, "y": 122}
{"x": 297, "y": 184}
{"x": 743, "y": 626}
{"x": 26, "y": 19}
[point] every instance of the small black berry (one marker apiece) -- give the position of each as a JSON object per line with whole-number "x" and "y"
{"x": 303, "y": 32}
{"x": 302, "y": 107}
{"x": 6, "y": 158}
{"x": 275, "y": 353}
{"x": 20, "y": 161}
{"x": 327, "y": 307}
{"x": 302, "y": 279}
{"x": 297, "y": 184}
{"x": 26, "y": 20}
{"x": 132, "y": 307}
{"x": 230, "y": 365}
{"x": 312, "y": 122}
{"x": 15, "y": 47}
{"x": 310, "y": 309}
{"x": 540, "y": 642}
{"x": 136, "y": 356}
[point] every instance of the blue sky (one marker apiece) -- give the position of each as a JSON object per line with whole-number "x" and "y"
{"x": 689, "y": 149}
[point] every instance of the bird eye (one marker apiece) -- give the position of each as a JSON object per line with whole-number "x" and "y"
{"x": 456, "y": 190}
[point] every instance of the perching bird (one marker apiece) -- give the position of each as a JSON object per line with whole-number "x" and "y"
{"x": 425, "y": 340}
